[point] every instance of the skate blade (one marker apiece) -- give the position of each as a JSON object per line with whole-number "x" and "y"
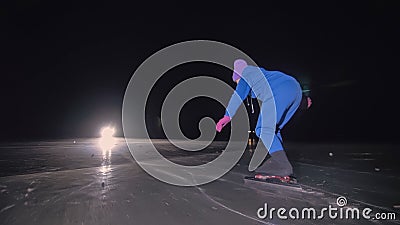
{"x": 251, "y": 181}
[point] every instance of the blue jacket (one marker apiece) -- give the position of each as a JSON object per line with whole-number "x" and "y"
{"x": 253, "y": 80}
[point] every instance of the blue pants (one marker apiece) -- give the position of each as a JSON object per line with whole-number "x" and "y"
{"x": 287, "y": 97}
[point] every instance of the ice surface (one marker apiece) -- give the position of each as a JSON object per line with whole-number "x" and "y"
{"x": 62, "y": 182}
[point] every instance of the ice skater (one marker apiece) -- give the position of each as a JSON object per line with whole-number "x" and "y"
{"x": 287, "y": 94}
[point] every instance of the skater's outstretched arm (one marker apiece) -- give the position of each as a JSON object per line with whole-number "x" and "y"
{"x": 241, "y": 92}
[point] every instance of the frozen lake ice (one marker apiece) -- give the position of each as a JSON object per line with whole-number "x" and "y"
{"x": 76, "y": 182}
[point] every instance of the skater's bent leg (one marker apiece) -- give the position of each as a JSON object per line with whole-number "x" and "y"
{"x": 278, "y": 164}
{"x": 286, "y": 104}
{"x": 276, "y": 143}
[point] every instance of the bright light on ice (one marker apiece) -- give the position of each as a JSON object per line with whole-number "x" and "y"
{"x": 107, "y": 140}
{"x": 107, "y": 132}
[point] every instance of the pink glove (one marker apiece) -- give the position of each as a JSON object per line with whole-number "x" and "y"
{"x": 222, "y": 123}
{"x": 309, "y": 102}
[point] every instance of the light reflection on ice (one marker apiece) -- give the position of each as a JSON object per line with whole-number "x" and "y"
{"x": 106, "y": 145}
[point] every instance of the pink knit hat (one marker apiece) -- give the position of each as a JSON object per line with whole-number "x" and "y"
{"x": 238, "y": 67}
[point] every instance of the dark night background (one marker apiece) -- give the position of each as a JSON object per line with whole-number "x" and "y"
{"x": 65, "y": 66}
